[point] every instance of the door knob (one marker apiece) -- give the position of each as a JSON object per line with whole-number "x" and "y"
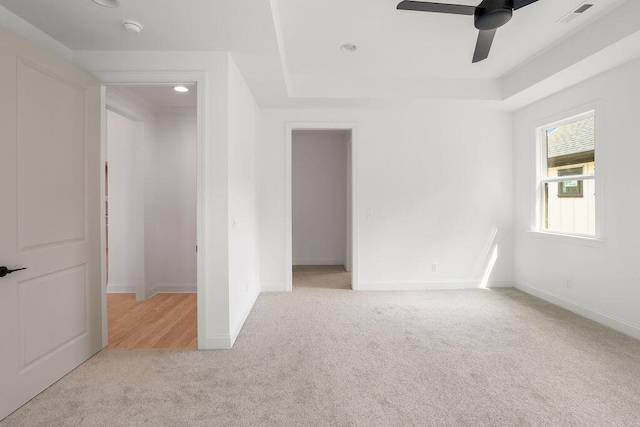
{"x": 4, "y": 270}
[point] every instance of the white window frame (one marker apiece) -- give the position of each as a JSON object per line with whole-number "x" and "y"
{"x": 542, "y": 179}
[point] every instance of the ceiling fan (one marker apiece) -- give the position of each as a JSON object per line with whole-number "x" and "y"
{"x": 488, "y": 16}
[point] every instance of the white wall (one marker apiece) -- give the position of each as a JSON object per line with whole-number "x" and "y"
{"x": 14, "y": 23}
{"x": 124, "y": 137}
{"x": 433, "y": 185}
{"x": 603, "y": 276}
{"x": 171, "y": 193}
{"x": 244, "y": 274}
{"x": 160, "y": 243}
{"x": 123, "y": 103}
{"x": 319, "y": 197}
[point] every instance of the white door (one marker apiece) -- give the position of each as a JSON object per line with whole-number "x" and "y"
{"x": 50, "y": 313}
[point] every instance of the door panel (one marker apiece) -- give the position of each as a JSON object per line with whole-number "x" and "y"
{"x": 45, "y": 329}
{"x": 50, "y": 314}
{"x": 50, "y": 176}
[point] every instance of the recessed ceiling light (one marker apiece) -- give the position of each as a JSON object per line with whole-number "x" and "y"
{"x": 132, "y": 26}
{"x": 348, "y": 47}
{"x": 107, "y": 3}
{"x": 181, "y": 89}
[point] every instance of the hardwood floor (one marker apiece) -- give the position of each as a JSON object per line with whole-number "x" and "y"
{"x": 163, "y": 321}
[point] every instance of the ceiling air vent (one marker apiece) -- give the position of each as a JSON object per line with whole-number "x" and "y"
{"x": 577, "y": 12}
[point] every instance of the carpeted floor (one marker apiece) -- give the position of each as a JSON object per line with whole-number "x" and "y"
{"x": 321, "y": 276}
{"x": 330, "y": 357}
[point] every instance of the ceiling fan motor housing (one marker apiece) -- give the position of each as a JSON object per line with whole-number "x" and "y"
{"x": 492, "y": 14}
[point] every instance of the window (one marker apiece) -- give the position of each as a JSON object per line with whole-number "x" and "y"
{"x": 570, "y": 188}
{"x": 567, "y": 176}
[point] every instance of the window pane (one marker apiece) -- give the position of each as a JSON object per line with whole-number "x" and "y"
{"x": 570, "y": 146}
{"x": 571, "y": 188}
{"x": 570, "y": 214}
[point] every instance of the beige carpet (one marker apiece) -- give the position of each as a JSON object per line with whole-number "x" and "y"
{"x": 325, "y": 357}
{"x": 321, "y": 276}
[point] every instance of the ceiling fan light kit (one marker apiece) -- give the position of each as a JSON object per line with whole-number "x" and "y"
{"x": 494, "y": 14}
{"x": 488, "y": 16}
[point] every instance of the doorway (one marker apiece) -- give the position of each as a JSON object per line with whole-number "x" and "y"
{"x": 151, "y": 216}
{"x": 321, "y": 244}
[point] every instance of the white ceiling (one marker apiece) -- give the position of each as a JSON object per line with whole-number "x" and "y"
{"x": 289, "y": 50}
{"x": 408, "y": 44}
{"x": 168, "y": 24}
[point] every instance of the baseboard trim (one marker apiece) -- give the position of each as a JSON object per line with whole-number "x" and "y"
{"x": 318, "y": 262}
{"x": 217, "y": 342}
{"x": 121, "y": 289}
{"x": 171, "y": 288}
{"x": 430, "y": 286}
{"x": 500, "y": 284}
{"x": 226, "y": 341}
{"x": 273, "y": 287}
{"x": 591, "y": 313}
{"x": 237, "y": 327}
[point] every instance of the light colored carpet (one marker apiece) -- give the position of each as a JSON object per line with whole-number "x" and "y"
{"x": 321, "y": 276}
{"x": 325, "y": 357}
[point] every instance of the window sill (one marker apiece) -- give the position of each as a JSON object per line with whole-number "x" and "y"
{"x": 567, "y": 238}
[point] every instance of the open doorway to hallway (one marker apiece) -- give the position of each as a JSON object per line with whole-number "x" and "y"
{"x": 150, "y": 215}
{"x": 321, "y": 184}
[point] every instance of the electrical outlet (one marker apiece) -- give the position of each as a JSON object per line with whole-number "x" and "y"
{"x": 434, "y": 267}
{"x": 568, "y": 284}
